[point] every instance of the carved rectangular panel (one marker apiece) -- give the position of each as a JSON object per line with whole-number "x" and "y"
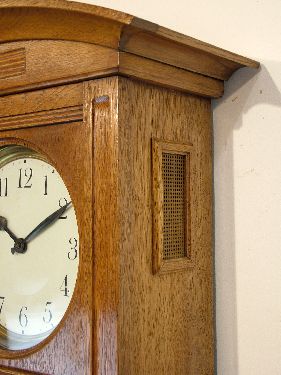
{"x": 12, "y": 63}
{"x": 54, "y": 116}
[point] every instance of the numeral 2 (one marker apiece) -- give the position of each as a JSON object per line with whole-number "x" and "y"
{"x": 62, "y": 202}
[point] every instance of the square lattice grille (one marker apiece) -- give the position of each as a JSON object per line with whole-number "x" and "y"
{"x": 174, "y": 225}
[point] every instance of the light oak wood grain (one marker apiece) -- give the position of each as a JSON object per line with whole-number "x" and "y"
{"x": 12, "y": 63}
{"x": 50, "y": 63}
{"x": 53, "y": 62}
{"x": 63, "y": 20}
{"x": 169, "y": 76}
{"x": 165, "y": 322}
{"x": 103, "y": 104}
{"x": 56, "y": 116}
{"x": 10, "y": 371}
{"x": 158, "y": 43}
{"x": 43, "y": 100}
{"x": 59, "y": 20}
{"x": 69, "y": 6}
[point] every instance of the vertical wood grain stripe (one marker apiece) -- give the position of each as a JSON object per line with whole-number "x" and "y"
{"x": 12, "y": 63}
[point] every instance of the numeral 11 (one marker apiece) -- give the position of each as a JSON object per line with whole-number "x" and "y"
{"x": 3, "y": 187}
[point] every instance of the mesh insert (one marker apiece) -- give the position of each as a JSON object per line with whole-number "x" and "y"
{"x": 174, "y": 245}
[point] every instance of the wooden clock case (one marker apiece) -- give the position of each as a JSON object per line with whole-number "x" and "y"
{"x": 103, "y": 94}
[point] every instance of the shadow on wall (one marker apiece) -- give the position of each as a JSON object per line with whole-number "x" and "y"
{"x": 247, "y": 88}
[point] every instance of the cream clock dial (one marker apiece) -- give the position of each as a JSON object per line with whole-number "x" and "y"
{"x": 39, "y": 248}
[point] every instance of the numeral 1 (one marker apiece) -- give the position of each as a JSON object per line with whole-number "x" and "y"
{"x": 46, "y": 185}
{"x": 64, "y": 287}
{"x": 3, "y": 187}
{"x": 1, "y": 303}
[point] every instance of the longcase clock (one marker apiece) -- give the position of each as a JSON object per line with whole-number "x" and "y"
{"x": 105, "y": 192}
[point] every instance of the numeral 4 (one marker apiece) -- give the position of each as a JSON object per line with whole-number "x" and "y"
{"x": 64, "y": 287}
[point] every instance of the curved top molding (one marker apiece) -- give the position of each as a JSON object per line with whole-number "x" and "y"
{"x": 73, "y": 21}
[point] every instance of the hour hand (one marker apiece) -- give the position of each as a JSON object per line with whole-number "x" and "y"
{"x": 47, "y": 222}
{"x": 4, "y": 227}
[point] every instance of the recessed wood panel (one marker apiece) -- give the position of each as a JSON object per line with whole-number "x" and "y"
{"x": 171, "y": 185}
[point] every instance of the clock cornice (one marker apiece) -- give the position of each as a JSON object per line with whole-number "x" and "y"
{"x": 130, "y": 38}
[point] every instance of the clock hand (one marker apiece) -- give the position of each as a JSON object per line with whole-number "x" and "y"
{"x": 20, "y": 244}
{"x": 4, "y": 227}
{"x": 47, "y": 222}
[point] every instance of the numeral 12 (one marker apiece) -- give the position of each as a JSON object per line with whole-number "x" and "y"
{"x": 28, "y": 175}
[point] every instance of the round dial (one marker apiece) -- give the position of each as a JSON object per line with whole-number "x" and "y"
{"x": 39, "y": 248}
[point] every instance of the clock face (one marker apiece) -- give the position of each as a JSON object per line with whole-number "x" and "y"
{"x": 38, "y": 259}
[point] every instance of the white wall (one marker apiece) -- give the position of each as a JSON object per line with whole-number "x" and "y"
{"x": 247, "y": 148}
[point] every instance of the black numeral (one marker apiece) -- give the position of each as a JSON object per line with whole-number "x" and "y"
{"x": 2, "y": 299}
{"x": 27, "y": 176}
{"x": 46, "y": 185}
{"x": 62, "y": 202}
{"x": 48, "y": 313}
{"x": 3, "y": 187}
{"x": 64, "y": 287}
{"x": 72, "y": 255}
{"x": 22, "y": 317}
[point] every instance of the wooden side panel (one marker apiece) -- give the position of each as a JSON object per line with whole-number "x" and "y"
{"x": 103, "y": 102}
{"x": 165, "y": 322}
{"x": 69, "y": 146}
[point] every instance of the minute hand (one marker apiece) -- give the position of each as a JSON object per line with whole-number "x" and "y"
{"x": 47, "y": 222}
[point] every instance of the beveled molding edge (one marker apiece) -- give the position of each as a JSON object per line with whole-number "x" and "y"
{"x": 12, "y": 63}
{"x": 49, "y": 117}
